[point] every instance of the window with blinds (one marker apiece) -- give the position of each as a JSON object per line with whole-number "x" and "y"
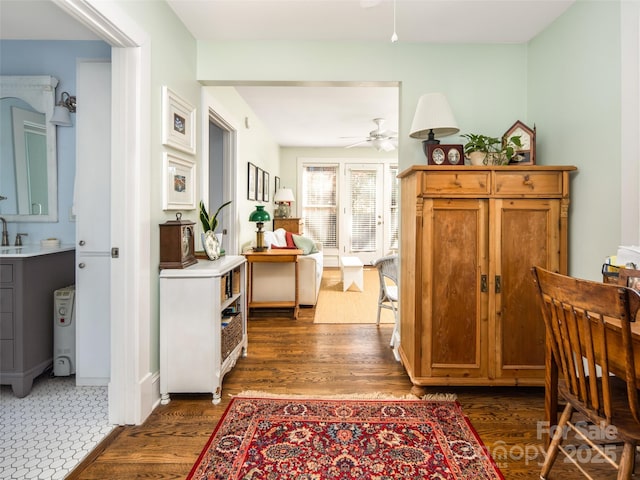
{"x": 319, "y": 208}
{"x": 394, "y": 213}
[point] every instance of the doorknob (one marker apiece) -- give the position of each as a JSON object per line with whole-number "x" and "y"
{"x": 82, "y": 265}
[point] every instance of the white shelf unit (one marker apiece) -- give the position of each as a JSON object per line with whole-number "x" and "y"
{"x": 202, "y": 308}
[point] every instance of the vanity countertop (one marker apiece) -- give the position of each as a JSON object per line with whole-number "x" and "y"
{"x": 32, "y": 250}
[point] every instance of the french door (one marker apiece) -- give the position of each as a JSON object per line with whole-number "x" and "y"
{"x": 363, "y": 213}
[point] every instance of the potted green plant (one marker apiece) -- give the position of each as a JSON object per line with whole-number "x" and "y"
{"x": 210, "y": 241}
{"x": 485, "y": 150}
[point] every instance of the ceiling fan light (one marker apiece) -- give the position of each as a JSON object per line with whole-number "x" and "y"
{"x": 383, "y": 145}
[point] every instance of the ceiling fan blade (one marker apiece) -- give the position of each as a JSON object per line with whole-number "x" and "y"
{"x": 358, "y": 143}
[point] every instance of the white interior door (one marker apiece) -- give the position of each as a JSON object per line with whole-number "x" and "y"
{"x": 93, "y": 223}
{"x": 363, "y": 212}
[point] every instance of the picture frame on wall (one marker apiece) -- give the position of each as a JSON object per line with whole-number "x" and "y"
{"x": 265, "y": 183}
{"x": 259, "y": 184}
{"x": 179, "y": 183}
{"x": 276, "y": 186}
{"x": 178, "y": 122}
{"x": 251, "y": 181}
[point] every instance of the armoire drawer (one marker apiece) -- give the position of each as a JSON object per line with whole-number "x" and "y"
{"x": 528, "y": 183}
{"x": 456, "y": 183}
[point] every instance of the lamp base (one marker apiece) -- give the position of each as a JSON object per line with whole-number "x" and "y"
{"x": 430, "y": 139}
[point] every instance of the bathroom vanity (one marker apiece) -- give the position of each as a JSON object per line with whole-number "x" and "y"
{"x": 29, "y": 276}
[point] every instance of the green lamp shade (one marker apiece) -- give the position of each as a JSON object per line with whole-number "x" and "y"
{"x": 259, "y": 215}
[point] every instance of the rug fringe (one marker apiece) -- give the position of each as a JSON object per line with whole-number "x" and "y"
{"x": 351, "y": 396}
{"x": 449, "y": 397}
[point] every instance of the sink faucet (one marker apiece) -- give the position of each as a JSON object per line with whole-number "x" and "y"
{"x": 5, "y": 233}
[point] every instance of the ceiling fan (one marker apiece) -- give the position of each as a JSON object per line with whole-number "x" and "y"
{"x": 381, "y": 140}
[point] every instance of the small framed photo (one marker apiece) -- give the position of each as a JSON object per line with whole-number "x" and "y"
{"x": 178, "y": 122}
{"x": 179, "y": 183}
{"x": 276, "y": 186}
{"x": 259, "y": 184}
{"x": 252, "y": 181}
{"x": 265, "y": 183}
{"x": 630, "y": 278}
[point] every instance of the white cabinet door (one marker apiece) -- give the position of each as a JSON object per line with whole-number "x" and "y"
{"x": 93, "y": 299}
{"x": 93, "y": 158}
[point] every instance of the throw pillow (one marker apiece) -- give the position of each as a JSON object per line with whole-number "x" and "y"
{"x": 280, "y": 239}
{"x": 305, "y": 244}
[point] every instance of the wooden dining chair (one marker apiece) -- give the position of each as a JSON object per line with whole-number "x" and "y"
{"x": 579, "y": 315}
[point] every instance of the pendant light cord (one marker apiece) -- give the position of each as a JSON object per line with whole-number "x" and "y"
{"x": 394, "y": 37}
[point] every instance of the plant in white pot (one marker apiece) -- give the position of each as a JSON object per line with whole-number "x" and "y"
{"x": 485, "y": 150}
{"x": 210, "y": 241}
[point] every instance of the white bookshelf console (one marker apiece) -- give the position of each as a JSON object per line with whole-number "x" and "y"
{"x": 203, "y": 325}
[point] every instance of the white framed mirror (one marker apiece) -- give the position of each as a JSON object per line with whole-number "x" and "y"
{"x": 28, "y": 153}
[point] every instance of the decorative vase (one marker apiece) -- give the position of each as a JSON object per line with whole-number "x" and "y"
{"x": 491, "y": 158}
{"x": 477, "y": 158}
{"x": 211, "y": 244}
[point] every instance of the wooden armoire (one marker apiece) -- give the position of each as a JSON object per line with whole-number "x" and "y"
{"x": 470, "y": 235}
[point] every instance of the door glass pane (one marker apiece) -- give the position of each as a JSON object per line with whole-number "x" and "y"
{"x": 363, "y": 210}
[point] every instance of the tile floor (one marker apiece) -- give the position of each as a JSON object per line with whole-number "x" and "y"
{"x": 46, "y": 434}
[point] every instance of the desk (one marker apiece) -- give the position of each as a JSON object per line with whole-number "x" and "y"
{"x": 616, "y": 364}
{"x": 273, "y": 256}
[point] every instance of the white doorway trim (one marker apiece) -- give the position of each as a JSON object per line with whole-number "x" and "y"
{"x": 214, "y": 112}
{"x": 132, "y": 386}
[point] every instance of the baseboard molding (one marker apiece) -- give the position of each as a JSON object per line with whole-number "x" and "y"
{"x": 149, "y": 396}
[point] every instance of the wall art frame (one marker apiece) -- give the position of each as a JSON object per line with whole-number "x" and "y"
{"x": 178, "y": 122}
{"x": 178, "y": 183}
{"x": 260, "y": 185}
{"x": 252, "y": 173}
{"x": 265, "y": 183}
{"x": 276, "y": 186}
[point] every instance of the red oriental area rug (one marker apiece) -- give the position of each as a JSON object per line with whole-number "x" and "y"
{"x": 343, "y": 439}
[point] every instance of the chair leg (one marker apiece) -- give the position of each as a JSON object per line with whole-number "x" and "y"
{"x": 625, "y": 469}
{"x": 378, "y": 319}
{"x": 552, "y": 451}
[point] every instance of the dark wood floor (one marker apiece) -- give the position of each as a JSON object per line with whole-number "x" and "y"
{"x": 289, "y": 356}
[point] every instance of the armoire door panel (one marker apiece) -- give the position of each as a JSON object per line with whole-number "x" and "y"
{"x": 455, "y": 234}
{"x": 527, "y": 232}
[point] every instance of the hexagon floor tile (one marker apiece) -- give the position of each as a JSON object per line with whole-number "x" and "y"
{"x": 46, "y": 434}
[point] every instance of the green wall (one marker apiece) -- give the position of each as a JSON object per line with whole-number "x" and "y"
{"x": 480, "y": 81}
{"x": 172, "y": 63}
{"x": 575, "y": 101}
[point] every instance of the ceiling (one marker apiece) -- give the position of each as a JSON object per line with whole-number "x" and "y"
{"x": 318, "y": 115}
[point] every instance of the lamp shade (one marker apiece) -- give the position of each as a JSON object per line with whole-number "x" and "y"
{"x": 259, "y": 215}
{"x": 284, "y": 195}
{"x": 61, "y": 116}
{"x": 433, "y": 117}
